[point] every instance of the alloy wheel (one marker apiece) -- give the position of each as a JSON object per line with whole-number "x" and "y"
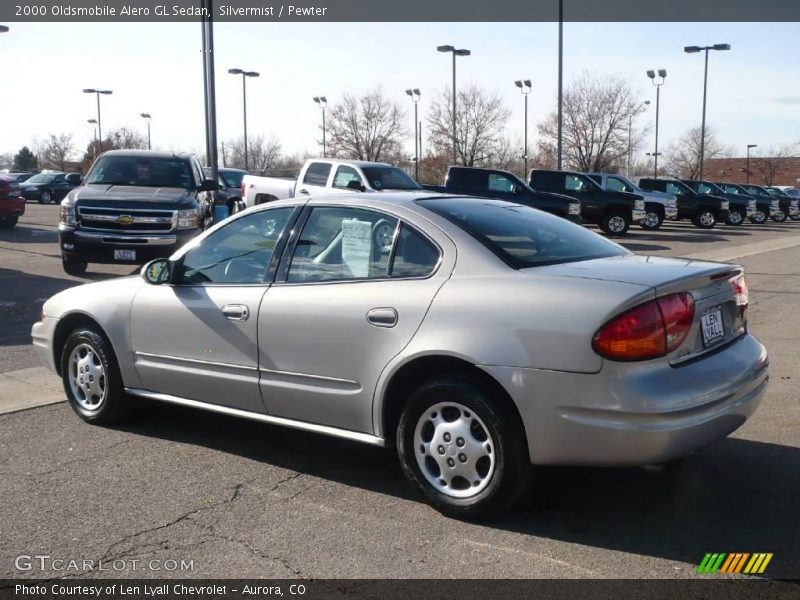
{"x": 707, "y": 219}
{"x": 87, "y": 377}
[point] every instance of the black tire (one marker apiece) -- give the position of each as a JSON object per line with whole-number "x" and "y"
{"x": 779, "y": 217}
{"x": 616, "y": 222}
{"x": 74, "y": 266}
{"x": 114, "y": 406}
{"x": 760, "y": 217}
{"x": 8, "y": 222}
{"x": 47, "y": 197}
{"x": 506, "y": 480}
{"x": 735, "y": 218}
{"x": 705, "y": 219}
{"x": 653, "y": 219}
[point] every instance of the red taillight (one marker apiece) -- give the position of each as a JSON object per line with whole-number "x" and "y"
{"x": 739, "y": 287}
{"x": 649, "y": 330}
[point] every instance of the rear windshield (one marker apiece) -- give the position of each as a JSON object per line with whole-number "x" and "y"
{"x": 43, "y": 178}
{"x": 522, "y": 236}
{"x": 144, "y": 171}
{"x": 232, "y": 179}
{"x": 389, "y": 178}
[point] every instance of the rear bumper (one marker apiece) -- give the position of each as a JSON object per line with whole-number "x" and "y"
{"x": 12, "y": 208}
{"x": 637, "y": 414}
{"x": 97, "y": 247}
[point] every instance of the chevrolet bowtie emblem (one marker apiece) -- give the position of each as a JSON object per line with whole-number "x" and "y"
{"x": 124, "y": 219}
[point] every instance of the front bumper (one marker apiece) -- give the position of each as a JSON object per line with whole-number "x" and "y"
{"x": 12, "y": 207}
{"x": 98, "y": 247}
{"x": 638, "y": 214}
{"x": 637, "y": 413}
{"x": 42, "y": 334}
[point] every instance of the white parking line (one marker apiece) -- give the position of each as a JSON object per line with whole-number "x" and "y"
{"x": 732, "y": 253}
{"x": 28, "y": 388}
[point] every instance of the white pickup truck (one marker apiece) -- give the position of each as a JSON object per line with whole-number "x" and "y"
{"x": 327, "y": 176}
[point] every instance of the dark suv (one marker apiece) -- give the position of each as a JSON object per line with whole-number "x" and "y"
{"x": 613, "y": 211}
{"x": 494, "y": 183}
{"x": 49, "y": 187}
{"x": 703, "y": 210}
{"x": 134, "y": 205}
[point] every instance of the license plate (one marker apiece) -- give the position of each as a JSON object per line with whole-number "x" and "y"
{"x": 124, "y": 254}
{"x": 711, "y": 325}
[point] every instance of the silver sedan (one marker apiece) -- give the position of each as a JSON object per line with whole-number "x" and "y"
{"x": 477, "y": 336}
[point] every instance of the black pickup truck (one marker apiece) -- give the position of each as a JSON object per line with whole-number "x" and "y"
{"x": 494, "y": 183}
{"x": 133, "y": 206}
{"x": 784, "y": 207}
{"x": 739, "y": 206}
{"x": 703, "y": 210}
{"x": 766, "y": 206}
{"x": 790, "y": 198}
{"x": 613, "y": 211}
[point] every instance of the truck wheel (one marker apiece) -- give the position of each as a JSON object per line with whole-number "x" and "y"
{"x": 8, "y": 222}
{"x": 652, "y": 220}
{"x": 759, "y": 217}
{"x": 460, "y": 450}
{"x": 615, "y": 222}
{"x": 91, "y": 378}
{"x": 74, "y": 266}
{"x": 705, "y": 219}
{"x": 735, "y": 217}
{"x": 779, "y": 216}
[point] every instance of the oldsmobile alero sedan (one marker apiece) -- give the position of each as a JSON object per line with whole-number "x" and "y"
{"x": 478, "y": 336}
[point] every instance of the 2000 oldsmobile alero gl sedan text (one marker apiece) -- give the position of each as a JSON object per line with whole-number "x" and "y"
{"x": 477, "y": 335}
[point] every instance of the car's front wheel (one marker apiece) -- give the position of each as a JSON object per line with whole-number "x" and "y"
{"x": 705, "y": 219}
{"x": 779, "y": 216}
{"x": 74, "y": 266}
{"x": 461, "y": 449}
{"x": 8, "y": 222}
{"x": 759, "y": 217}
{"x": 91, "y": 378}
{"x": 615, "y": 222}
{"x": 652, "y": 220}
{"x": 735, "y": 217}
{"x": 47, "y": 197}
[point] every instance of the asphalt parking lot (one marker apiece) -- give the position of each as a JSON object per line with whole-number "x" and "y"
{"x": 249, "y": 500}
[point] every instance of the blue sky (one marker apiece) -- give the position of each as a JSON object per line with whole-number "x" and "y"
{"x": 754, "y": 90}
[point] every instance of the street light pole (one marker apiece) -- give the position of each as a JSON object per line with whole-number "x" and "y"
{"x": 662, "y": 73}
{"x": 323, "y": 103}
{"x": 560, "y": 79}
{"x": 748, "y": 160}
{"x": 455, "y": 52}
{"x": 694, "y": 50}
{"x": 630, "y": 126}
{"x": 525, "y": 87}
{"x": 146, "y": 117}
{"x": 97, "y": 94}
{"x": 245, "y": 75}
{"x": 414, "y": 94}
{"x": 94, "y": 148}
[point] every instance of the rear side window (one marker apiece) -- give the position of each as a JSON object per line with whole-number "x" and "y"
{"x": 317, "y": 174}
{"x": 675, "y": 189}
{"x": 617, "y": 185}
{"x": 521, "y": 236}
{"x": 344, "y": 175}
{"x": 500, "y": 183}
{"x": 414, "y": 256}
{"x": 573, "y": 183}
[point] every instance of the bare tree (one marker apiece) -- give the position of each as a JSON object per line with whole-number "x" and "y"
{"x": 777, "y": 162}
{"x": 598, "y": 112}
{"x": 262, "y": 153}
{"x": 124, "y": 138}
{"x": 55, "y": 151}
{"x": 367, "y": 127}
{"x": 481, "y": 120}
{"x": 683, "y": 154}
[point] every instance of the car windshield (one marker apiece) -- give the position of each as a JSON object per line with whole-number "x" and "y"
{"x": 144, "y": 171}
{"x": 389, "y": 178}
{"x": 522, "y": 236}
{"x": 42, "y": 178}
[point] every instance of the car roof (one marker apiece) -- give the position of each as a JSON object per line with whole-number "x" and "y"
{"x": 147, "y": 153}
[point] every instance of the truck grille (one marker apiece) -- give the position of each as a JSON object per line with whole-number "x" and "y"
{"x": 128, "y": 220}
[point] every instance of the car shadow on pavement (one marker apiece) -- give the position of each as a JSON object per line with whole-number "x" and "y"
{"x": 29, "y": 235}
{"x": 736, "y": 496}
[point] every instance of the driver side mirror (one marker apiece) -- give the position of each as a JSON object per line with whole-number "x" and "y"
{"x": 157, "y": 271}
{"x": 355, "y": 185}
{"x": 209, "y": 185}
{"x": 74, "y": 179}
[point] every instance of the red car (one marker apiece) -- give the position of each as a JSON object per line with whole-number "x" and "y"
{"x": 12, "y": 204}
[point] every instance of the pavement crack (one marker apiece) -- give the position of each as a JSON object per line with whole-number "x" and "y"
{"x": 285, "y": 480}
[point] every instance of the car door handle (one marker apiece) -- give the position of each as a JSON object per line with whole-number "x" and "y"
{"x": 304, "y": 192}
{"x": 236, "y": 312}
{"x": 382, "y": 317}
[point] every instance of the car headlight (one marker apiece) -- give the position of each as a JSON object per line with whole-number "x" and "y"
{"x": 574, "y": 208}
{"x": 67, "y": 215}
{"x": 638, "y": 204}
{"x": 189, "y": 219}
{"x": 726, "y": 205}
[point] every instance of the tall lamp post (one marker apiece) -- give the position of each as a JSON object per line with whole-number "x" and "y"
{"x": 94, "y": 122}
{"x": 99, "y": 128}
{"x": 525, "y": 87}
{"x": 147, "y": 117}
{"x": 245, "y": 75}
{"x": 693, "y": 50}
{"x": 455, "y": 52}
{"x": 630, "y": 127}
{"x": 748, "y": 160}
{"x": 414, "y": 94}
{"x": 662, "y": 74}
{"x": 323, "y": 104}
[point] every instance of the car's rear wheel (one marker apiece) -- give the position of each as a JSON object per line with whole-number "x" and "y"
{"x": 8, "y": 222}
{"x": 615, "y": 222}
{"x": 74, "y": 266}
{"x": 461, "y": 450}
{"x": 652, "y": 220}
{"x": 735, "y": 217}
{"x": 705, "y": 219}
{"x": 779, "y": 216}
{"x": 91, "y": 378}
{"x": 759, "y": 217}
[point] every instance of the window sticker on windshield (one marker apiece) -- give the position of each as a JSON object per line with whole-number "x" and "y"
{"x": 357, "y": 246}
